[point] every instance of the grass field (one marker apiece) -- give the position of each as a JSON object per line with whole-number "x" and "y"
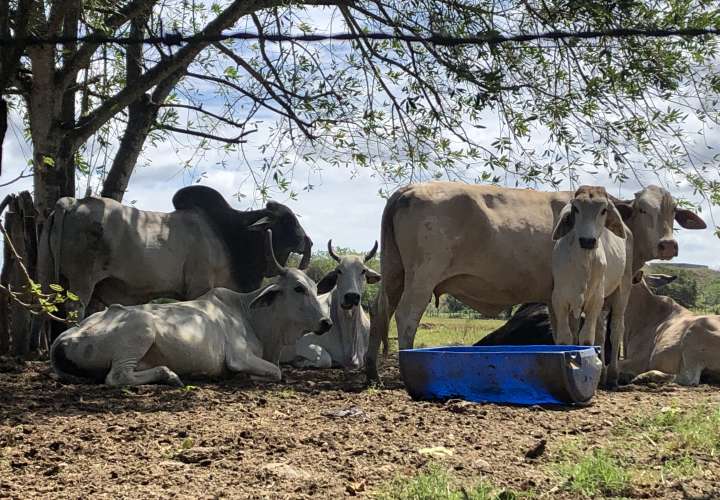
{"x": 439, "y": 330}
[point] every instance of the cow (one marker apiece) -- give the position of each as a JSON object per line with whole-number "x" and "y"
{"x": 490, "y": 247}
{"x": 222, "y": 331}
{"x": 663, "y": 336}
{"x": 665, "y": 341}
{"x": 591, "y": 266}
{"x": 529, "y": 325}
{"x": 116, "y": 254}
{"x": 346, "y": 343}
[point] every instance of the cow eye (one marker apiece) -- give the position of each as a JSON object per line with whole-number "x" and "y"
{"x": 300, "y": 289}
{"x": 363, "y": 271}
{"x": 574, "y": 209}
{"x": 339, "y": 271}
{"x": 604, "y": 211}
{"x": 642, "y": 211}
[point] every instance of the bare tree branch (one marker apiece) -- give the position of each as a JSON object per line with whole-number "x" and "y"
{"x": 229, "y": 140}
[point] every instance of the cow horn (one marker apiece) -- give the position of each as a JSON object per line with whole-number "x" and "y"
{"x": 330, "y": 251}
{"x": 270, "y": 255}
{"x": 372, "y": 252}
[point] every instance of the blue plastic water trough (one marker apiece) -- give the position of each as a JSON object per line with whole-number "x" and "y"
{"x": 518, "y": 374}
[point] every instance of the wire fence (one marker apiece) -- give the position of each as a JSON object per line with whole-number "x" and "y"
{"x": 487, "y": 38}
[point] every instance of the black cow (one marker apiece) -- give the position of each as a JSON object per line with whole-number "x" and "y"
{"x": 530, "y": 325}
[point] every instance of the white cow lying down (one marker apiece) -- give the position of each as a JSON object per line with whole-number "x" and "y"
{"x": 220, "y": 332}
{"x": 346, "y": 343}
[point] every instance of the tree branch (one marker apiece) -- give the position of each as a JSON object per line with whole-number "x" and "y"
{"x": 229, "y": 140}
{"x": 81, "y": 59}
{"x": 202, "y": 110}
{"x": 180, "y": 60}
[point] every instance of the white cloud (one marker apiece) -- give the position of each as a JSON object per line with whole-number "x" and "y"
{"x": 346, "y": 209}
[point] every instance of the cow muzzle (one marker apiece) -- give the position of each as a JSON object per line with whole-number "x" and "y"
{"x": 350, "y": 300}
{"x": 667, "y": 249}
{"x": 324, "y": 326}
{"x": 588, "y": 243}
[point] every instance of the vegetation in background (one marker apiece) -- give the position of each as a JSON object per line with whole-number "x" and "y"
{"x": 696, "y": 287}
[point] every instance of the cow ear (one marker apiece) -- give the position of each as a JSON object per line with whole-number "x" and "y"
{"x": 327, "y": 283}
{"x": 613, "y": 221}
{"x": 261, "y": 224}
{"x": 659, "y": 280}
{"x": 638, "y": 277}
{"x": 624, "y": 208}
{"x": 566, "y": 221}
{"x": 689, "y": 219}
{"x": 371, "y": 277}
{"x": 266, "y": 297}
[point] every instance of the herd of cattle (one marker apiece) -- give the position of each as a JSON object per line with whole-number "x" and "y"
{"x": 580, "y": 253}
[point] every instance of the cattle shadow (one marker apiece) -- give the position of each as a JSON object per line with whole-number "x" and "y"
{"x": 29, "y": 393}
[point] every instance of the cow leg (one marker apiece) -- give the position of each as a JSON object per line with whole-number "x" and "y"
{"x": 410, "y": 309}
{"x": 84, "y": 290}
{"x": 560, "y": 314}
{"x": 124, "y": 373}
{"x": 618, "y": 304}
{"x": 589, "y": 332}
{"x": 312, "y": 356}
{"x": 257, "y": 368}
{"x": 130, "y": 348}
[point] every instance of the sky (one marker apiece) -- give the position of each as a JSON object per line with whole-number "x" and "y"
{"x": 344, "y": 207}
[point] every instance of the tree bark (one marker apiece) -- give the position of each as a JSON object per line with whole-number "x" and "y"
{"x": 20, "y": 227}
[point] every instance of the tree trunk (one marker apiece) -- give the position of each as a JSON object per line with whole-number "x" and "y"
{"x": 20, "y": 227}
{"x": 3, "y": 127}
{"x": 141, "y": 116}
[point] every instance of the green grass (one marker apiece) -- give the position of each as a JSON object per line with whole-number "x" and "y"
{"x": 693, "y": 430}
{"x": 647, "y": 449}
{"x": 438, "y": 330}
{"x": 595, "y": 473}
{"x": 436, "y": 484}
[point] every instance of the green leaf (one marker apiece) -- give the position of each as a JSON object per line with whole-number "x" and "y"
{"x": 47, "y": 160}
{"x": 72, "y": 296}
{"x": 56, "y": 287}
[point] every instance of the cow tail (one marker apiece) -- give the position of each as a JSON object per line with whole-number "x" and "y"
{"x": 45, "y": 276}
{"x": 49, "y": 258}
{"x": 390, "y": 289}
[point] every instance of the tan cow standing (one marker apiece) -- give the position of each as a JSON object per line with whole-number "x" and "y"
{"x": 490, "y": 247}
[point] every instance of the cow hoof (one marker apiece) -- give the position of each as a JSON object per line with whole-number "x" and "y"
{"x": 175, "y": 381}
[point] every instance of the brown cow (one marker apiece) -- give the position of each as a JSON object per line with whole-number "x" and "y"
{"x": 490, "y": 247}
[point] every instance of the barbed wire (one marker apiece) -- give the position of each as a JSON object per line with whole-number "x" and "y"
{"x": 488, "y": 38}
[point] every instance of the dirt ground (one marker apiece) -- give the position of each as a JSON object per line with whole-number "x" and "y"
{"x": 318, "y": 435}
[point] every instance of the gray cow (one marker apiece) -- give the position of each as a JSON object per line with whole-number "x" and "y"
{"x": 116, "y": 254}
{"x": 220, "y": 332}
{"x": 346, "y": 343}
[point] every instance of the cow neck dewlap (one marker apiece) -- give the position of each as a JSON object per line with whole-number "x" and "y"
{"x": 347, "y": 324}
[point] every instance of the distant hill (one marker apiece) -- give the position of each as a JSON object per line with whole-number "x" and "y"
{"x": 684, "y": 265}
{"x": 697, "y": 286}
